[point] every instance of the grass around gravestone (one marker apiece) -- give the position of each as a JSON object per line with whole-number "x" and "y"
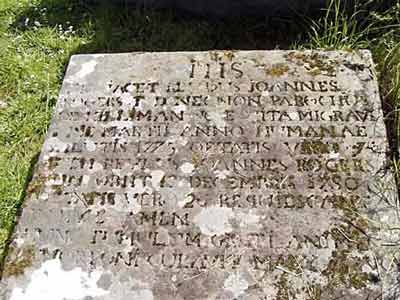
{"x": 38, "y": 37}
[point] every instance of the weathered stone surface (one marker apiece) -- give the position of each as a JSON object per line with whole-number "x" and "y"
{"x": 211, "y": 175}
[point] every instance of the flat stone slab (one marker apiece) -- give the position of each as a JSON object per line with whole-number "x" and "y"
{"x": 211, "y": 175}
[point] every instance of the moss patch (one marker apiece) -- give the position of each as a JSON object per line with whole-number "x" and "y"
{"x": 35, "y": 187}
{"x": 315, "y": 63}
{"x": 277, "y": 70}
{"x": 20, "y": 261}
{"x": 344, "y": 270}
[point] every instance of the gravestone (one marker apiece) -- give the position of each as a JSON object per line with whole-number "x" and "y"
{"x": 211, "y": 175}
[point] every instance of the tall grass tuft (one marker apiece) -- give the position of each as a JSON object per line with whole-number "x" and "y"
{"x": 391, "y": 74}
{"x": 337, "y": 29}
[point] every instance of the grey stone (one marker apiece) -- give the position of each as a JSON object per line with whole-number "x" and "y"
{"x": 211, "y": 175}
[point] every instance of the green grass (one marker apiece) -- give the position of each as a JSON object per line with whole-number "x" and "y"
{"x": 37, "y": 37}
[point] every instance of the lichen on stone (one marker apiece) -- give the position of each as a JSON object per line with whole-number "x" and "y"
{"x": 21, "y": 259}
{"x": 277, "y": 70}
{"x": 314, "y": 62}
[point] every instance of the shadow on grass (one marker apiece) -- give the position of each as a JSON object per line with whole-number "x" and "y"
{"x": 124, "y": 28}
